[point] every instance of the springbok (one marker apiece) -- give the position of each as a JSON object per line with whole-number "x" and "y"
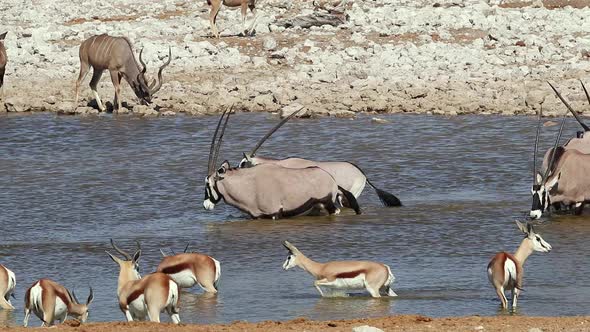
{"x": 7, "y": 284}
{"x": 271, "y": 191}
{"x": 3, "y": 61}
{"x": 347, "y": 175}
{"x": 115, "y": 54}
{"x": 51, "y": 301}
{"x": 189, "y": 268}
{"x": 244, "y": 4}
{"x": 343, "y": 275}
{"x": 505, "y": 271}
{"x": 146, "y": 297}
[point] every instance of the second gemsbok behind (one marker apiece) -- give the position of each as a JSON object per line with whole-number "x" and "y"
{"x": 343, "y": 276}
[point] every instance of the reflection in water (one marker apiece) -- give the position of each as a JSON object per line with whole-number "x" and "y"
{"x": 69, "y": 184}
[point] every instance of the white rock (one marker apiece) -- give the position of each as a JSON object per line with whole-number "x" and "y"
{"x": 269, "y": 44}
{"x": 366, "y": 328}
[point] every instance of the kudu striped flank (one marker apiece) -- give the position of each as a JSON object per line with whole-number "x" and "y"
{"x": 3, "y": 62}
{"x": 190, "y": 268}
{"x": 343, "y": 276}
{"x": 243, "y": 4}
{"x": 7, "y": 284}
{"x": 347, "y": 175}
{"x": 505, "y": 271}
{"x": 115, "y": 54}
{"x": 144, "y": 298}
{"x": 271, "y": 191}
{"x": 50, "y": 301}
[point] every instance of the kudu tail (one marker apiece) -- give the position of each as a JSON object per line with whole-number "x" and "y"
{"x": 351, "y": 200}
{"x": 386, "y": 198}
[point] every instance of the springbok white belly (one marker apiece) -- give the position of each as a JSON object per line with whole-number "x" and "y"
{"x": 61, "y": 310}
{"x": 185, "y": 278}
{"x": 509, "y": 274}
{"x": 357, "y": 282}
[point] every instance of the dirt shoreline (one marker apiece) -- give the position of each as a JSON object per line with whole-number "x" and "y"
{"x": 390, "y": 323}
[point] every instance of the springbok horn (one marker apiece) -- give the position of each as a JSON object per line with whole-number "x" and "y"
{"x": 586, "y": 128}
{"x": 138, "y": 245}
{"x": 143, "y": 70}
{"x": 73, "y": 295}
{"x": 186, "y": 248}
{"x": 218, "y": 148}
{"x": 157, "y": 88}
{"x": 210, "y": 165}
{"x": 162, "y": 252}
{"x": 126, "y": 255}
{"x": 537, "y": 145}
{"x": 552, "y": 156}
{"x": 279, "y": 125}
{"x": 90, "y": 296}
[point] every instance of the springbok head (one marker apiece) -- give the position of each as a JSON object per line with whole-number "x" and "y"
{"x": 140, "y": 86}
{"x": 293, "y": 258}
{"x": 247, "y": 161}
{"x": 212, "y": 194}
{"x": 81, "y": 309}
{"x": 130, "y": 264}
{"x": 535, "y": 240}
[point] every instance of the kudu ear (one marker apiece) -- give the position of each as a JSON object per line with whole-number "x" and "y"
{"x": 523, "y": 227}
{"x": 2, "y": 36}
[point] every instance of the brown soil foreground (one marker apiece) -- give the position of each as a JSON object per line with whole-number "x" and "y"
{"x": 392, "y": 323}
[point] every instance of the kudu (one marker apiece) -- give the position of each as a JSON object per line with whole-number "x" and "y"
{"x": 347, "y": 175}
{"x": 115, "y": 54}
{"x": 335, "y": 276}
{"x": 51, "y": 301}
{"x": 3, "y": 61}
{"x": 190, "y": 268}
{"x": 505, "y": 271}
{"x": 243, "y": 4}
{"x": 7, "y": 284}
{"x": 147, "y": 297}
{"x": 271, "y": 191}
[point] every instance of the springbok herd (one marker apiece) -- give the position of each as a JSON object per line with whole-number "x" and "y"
{"x": 281, "y": 188}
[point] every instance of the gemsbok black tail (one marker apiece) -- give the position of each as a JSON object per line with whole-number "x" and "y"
{"x": 352, "y": 202}
{"x": 386, "y": 198}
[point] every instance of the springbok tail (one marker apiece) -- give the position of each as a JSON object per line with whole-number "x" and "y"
{"x": 351, "y": 200}
{"x": 386, "y": 198}
{"x": 217, "y": 274}
{"x": 389, "y": 282}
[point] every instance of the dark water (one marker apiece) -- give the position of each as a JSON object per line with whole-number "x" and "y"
{"x": 68, "y": 184}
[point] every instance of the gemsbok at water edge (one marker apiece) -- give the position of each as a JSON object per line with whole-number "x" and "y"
{"x": 7, "y": 284}
{"x": 189, "y": 268}
{"x": 343, "y": 276}
{"x": 144, "y": 298}
{"x": 505, "y": 271}
{"x": 271, "y": 191}
{"x": 3, "y": 61}
{"x": 115, "y": 54}
{"x": 51, "y": 301}
{"x": 347, "y": 175}
{"x": 243, "y": 4}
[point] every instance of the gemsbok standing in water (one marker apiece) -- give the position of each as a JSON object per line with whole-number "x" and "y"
{"x": 271, "y": 191}
{"x": 190, "y": 268}
{"x": 505, "y": 271}
{"x": 147, "y": 297}
{"x": 7, "y": 284}
{"x": 243, "y": 4}
{"x": 347, "y": 175}
{"x": 343, "y": 276}
{"x": 3, "y": 61}
{"x": 51, "y": 301}
{"x": 115, "y": 54}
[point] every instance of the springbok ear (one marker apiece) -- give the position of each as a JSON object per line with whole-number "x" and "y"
{"x": 2, "y": 36}
{"x": 136, "y": 256}
{"x": 523, "y": 228}
{"x": 291, "y": 247}
{"x": 115, "y": 259}
{"x": 529, "y": 229}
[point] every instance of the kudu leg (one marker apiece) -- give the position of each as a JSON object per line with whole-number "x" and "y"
{"x": 84, "y": 68}
{"x": 244, "y": 7}
{"x": 116, "y": 78}
{"x": 215, "y": 6}
{"x": 252, "y": 27}
{"x": 93, "y": 84}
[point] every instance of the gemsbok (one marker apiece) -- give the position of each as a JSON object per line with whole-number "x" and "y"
{"x": 505, "y": 271}
{"x": 147, "y": 297}
{"x": 115, "y": 54}
{"x": 271, "y": 191}
{"x": 343, "y": 276}
{"x": 51, "y": 301}
{"x": 190, "y": 268}
{"x": 347, "y": 175}
{"x": 7, "y": 284}
{"x": 3, "y": 61}
{"x": 243, "y": 4}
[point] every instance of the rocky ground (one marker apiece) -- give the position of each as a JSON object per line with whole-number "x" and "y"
{"x": 439, "y": 57}
{"x": 389, "y": 324}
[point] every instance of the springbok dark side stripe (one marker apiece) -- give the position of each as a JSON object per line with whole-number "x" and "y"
{"x": 351, "y": 274}
{"x": 173, "y": 269}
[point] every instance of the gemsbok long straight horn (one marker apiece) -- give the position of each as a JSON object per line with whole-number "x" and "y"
{"x": 190, "y": 268}
{"x": 115, "y": 54}
{"x": 147, "y": 297}
{"x": 3, "y": 62}
{"x": 50, "y": 301}
{"x": 343, "y": 276}
{"x": 347, "y": 175}
{"x": 271, "y": 191}
{"x": 505, "y": 270}
{"x": 7, "y": 285}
